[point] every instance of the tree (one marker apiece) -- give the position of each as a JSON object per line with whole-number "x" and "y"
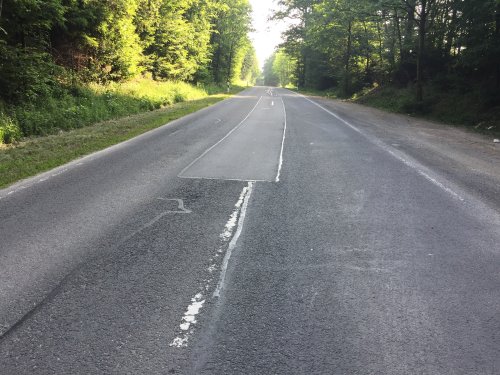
{"x": 284, "y": 67}
{"x": 232, "y": 23}
{"x": 250, "y": 70}
{"x": 270, "y": 76}
{"x": 175, "y": 37}
{"x": 358, "y": 43}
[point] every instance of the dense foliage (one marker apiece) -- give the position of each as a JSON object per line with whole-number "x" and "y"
{"x": 49, "y": 48}
{"x": 280, "y": 69}
{"x": 354, "y": 44}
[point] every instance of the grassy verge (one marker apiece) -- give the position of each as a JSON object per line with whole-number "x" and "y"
{"x": 73, "y": 107}
{"x": 472, "y": 109}
{"x": 469, "y": 109}
{"x": 38, "y": 154}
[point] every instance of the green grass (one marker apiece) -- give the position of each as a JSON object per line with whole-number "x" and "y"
{"x": 79, "y": 106}
{"x": 38, "y": 154}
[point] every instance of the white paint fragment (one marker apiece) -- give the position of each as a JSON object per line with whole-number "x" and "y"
{"x": 212, "y": 268}
{"x": 231, "y": 223}
{"x": 179, "y": 342}
{"x": 188, "y": 320}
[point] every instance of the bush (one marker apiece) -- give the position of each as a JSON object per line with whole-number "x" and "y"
{"x": 9, "y": 130}
{"x": 27, "y": 75}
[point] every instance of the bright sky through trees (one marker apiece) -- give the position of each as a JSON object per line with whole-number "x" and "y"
{"x": 267, "y": 34}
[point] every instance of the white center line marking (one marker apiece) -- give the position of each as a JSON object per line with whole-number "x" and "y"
{"x": 280, "y": 164}
{"x": 186, "y": 327}
{"x": 245, "y": 197}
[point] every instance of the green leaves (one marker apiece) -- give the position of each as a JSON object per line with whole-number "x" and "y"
{"x": 354, "y": 44}
{"x": 232, "y": 23}
{"x": 102, "y": 41}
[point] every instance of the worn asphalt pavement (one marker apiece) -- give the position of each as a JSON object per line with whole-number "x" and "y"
{"x": 268, "y": 234}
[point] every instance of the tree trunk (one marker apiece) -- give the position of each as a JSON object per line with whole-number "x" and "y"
{"x": 347, "y": 78}
{"x": 451, "y": 31}
{"x": 422, "y": 29}
{"x": 230, "y": 67}
{"x": 392, "y": 43}
{"x": 497, "y": 33}
{"x": 301, "y": 70}
{"x": 380, "y": 40}
{"x": 398, "y": 31}
{"x": 408, "y": 38}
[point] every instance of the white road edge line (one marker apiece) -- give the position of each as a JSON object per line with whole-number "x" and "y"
{"x": 424, "y": 174}
{"x": 280, "y": 164}
{"x": 333, "y": 114}
{"x": 227, "y": 135}
{"x": 241, "y": 219}
{"x": 394, "y": 154}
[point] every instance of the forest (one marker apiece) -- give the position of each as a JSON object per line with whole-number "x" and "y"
{"x": 69, "y": 63}
{"x": 416, "y": 55}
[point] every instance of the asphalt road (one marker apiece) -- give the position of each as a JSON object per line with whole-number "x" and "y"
{"x": 268, "y": 234}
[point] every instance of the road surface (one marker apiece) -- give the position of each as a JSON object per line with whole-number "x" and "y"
{"x": 269, "y": 234}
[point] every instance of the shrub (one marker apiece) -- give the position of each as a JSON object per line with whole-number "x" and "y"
{"x": 9, "y": 130}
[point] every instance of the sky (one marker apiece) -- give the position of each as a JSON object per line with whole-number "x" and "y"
{"x": 267, "y": 34}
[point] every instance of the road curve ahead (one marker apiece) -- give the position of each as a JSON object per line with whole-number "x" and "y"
{"x": 269, "y": 234}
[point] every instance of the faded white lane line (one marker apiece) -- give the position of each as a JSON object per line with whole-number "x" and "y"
{"x": 188, "y": 320}
{"x": 223, "y": 138}
{"x": 396, "y": 154}
{"x": 280, "y": 163}
{"x": 241, "y": 205}
{"x": 235, "y": 221}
